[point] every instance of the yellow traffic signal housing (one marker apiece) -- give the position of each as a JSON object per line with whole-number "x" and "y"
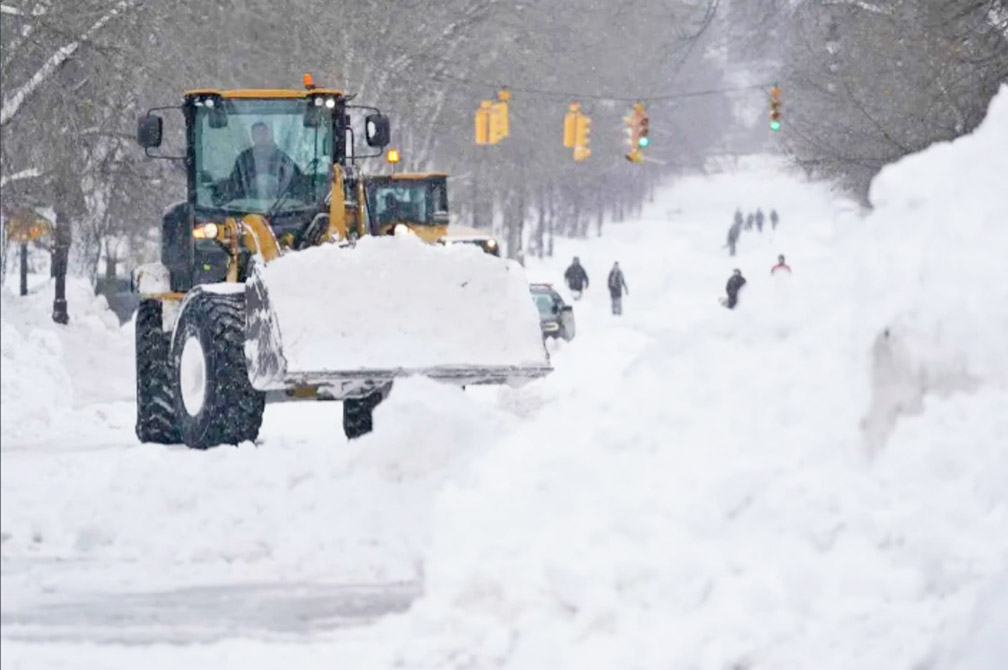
{"x": 581, "y": 153}
{"x": 570, "y": 123}
{"x": 582, "y": 131}
{"x": 498, "y": 122}
{"x": 483, "y": 123}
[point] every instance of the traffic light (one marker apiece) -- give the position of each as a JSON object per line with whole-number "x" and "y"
{"x": 582, "y": 131}
{"x": 570, "y": 122}
{"x": 638, "y": 133}
{"x": 483, "y": 123}
{"x": 492, "y": 122}
{"x": 775, "y": 105}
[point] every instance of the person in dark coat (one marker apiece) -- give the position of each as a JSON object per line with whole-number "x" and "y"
{"x": 759, "y": 220}
{"x": 749, "y": 221}
{"x": 617, "y": 285}
{"x": 773, "y": 219}
{"x": 735, "y": 283}
{"x": 262, "y": 170}
{"x": 738, "y": 221}
{"x": 576, "y": 277}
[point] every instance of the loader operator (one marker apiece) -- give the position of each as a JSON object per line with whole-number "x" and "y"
{"x": 392, "y": 211}
{"x": 263, "y": 170}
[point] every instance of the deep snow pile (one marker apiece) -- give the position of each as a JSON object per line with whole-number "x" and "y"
{"x": 48, "y": 373}
{"x": 731, "y": 503}
{"x": 394, "y": 302}
{"x": 301, "y": 508}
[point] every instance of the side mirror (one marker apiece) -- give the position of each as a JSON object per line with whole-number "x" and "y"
{"x": 149, "y": 131}
{"x": 440, "y": 218}
{"x": 376, "y": 130}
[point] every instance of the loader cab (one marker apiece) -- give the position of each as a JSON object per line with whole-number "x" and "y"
{"x": 418, "y": 201}
{"x": 271, "y": 153}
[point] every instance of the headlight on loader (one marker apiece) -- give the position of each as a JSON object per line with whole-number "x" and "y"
{"x": 205, "y": 231}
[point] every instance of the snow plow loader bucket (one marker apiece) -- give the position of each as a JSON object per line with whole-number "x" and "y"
{"x": 346, "y": 321}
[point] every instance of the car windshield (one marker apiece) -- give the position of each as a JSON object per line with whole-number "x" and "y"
{"x": 409, "y": 200}
{"x": 544, "y": 302}
{"x": 259, "y": 156}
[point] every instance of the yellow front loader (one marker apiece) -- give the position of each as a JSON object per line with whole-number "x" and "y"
{"x": 242, "y": 307}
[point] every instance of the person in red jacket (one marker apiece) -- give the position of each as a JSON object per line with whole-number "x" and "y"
{"x": 781, "y": 266}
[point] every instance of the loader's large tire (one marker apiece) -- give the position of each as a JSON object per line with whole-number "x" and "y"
{"x": 214, "y": 400}
{"x": 155, "y": 399}
{"x": 358, "y": 413}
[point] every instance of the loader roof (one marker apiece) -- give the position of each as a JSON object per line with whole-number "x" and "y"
{"x": 266, "y": 92}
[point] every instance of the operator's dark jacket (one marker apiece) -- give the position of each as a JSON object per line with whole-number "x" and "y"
{"x": 242, "y": 181}
{"x": 577, "y": 278}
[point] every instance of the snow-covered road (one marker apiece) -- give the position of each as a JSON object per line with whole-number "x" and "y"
{"x": 776, "y": 486}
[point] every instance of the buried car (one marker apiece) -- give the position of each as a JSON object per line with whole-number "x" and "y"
{"x": 555, "y": 316}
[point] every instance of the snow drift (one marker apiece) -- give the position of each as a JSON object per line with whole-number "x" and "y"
{"x": 48, "y": 372}
{"x": 721, "y": 509}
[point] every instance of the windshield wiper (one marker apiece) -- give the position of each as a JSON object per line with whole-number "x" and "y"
{"x": 290, "y": 184}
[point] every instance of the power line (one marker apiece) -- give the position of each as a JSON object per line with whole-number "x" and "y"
{"x": 568, "y": 95}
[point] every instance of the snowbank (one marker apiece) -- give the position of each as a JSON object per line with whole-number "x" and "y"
{"x": 47, "y": 372}
{"x": 720, "y": 508}
{"x": 301, "y": 508}
{"x": 396, "y": 302}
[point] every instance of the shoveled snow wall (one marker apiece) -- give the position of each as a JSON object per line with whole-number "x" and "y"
{"x": 394, "y": 302}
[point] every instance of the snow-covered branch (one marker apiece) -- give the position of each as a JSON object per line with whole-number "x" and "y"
{"x": 12, "y": 104}
{"x": 17, "y": 176}
{"x": 11, "y": 11}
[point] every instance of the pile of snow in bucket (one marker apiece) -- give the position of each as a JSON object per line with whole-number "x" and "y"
{"x": 393, "y": 302}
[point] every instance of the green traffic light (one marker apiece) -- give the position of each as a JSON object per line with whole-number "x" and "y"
{"x": 775, "y": 125}
{"x": 643, "y": 141}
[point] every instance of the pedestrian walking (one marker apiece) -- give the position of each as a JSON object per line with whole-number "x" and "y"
{"x": 576, "y": 277}
{"x": 781, "y": 266}
{"x": 735, "y": 284}
{"x": 617, "y": 285}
